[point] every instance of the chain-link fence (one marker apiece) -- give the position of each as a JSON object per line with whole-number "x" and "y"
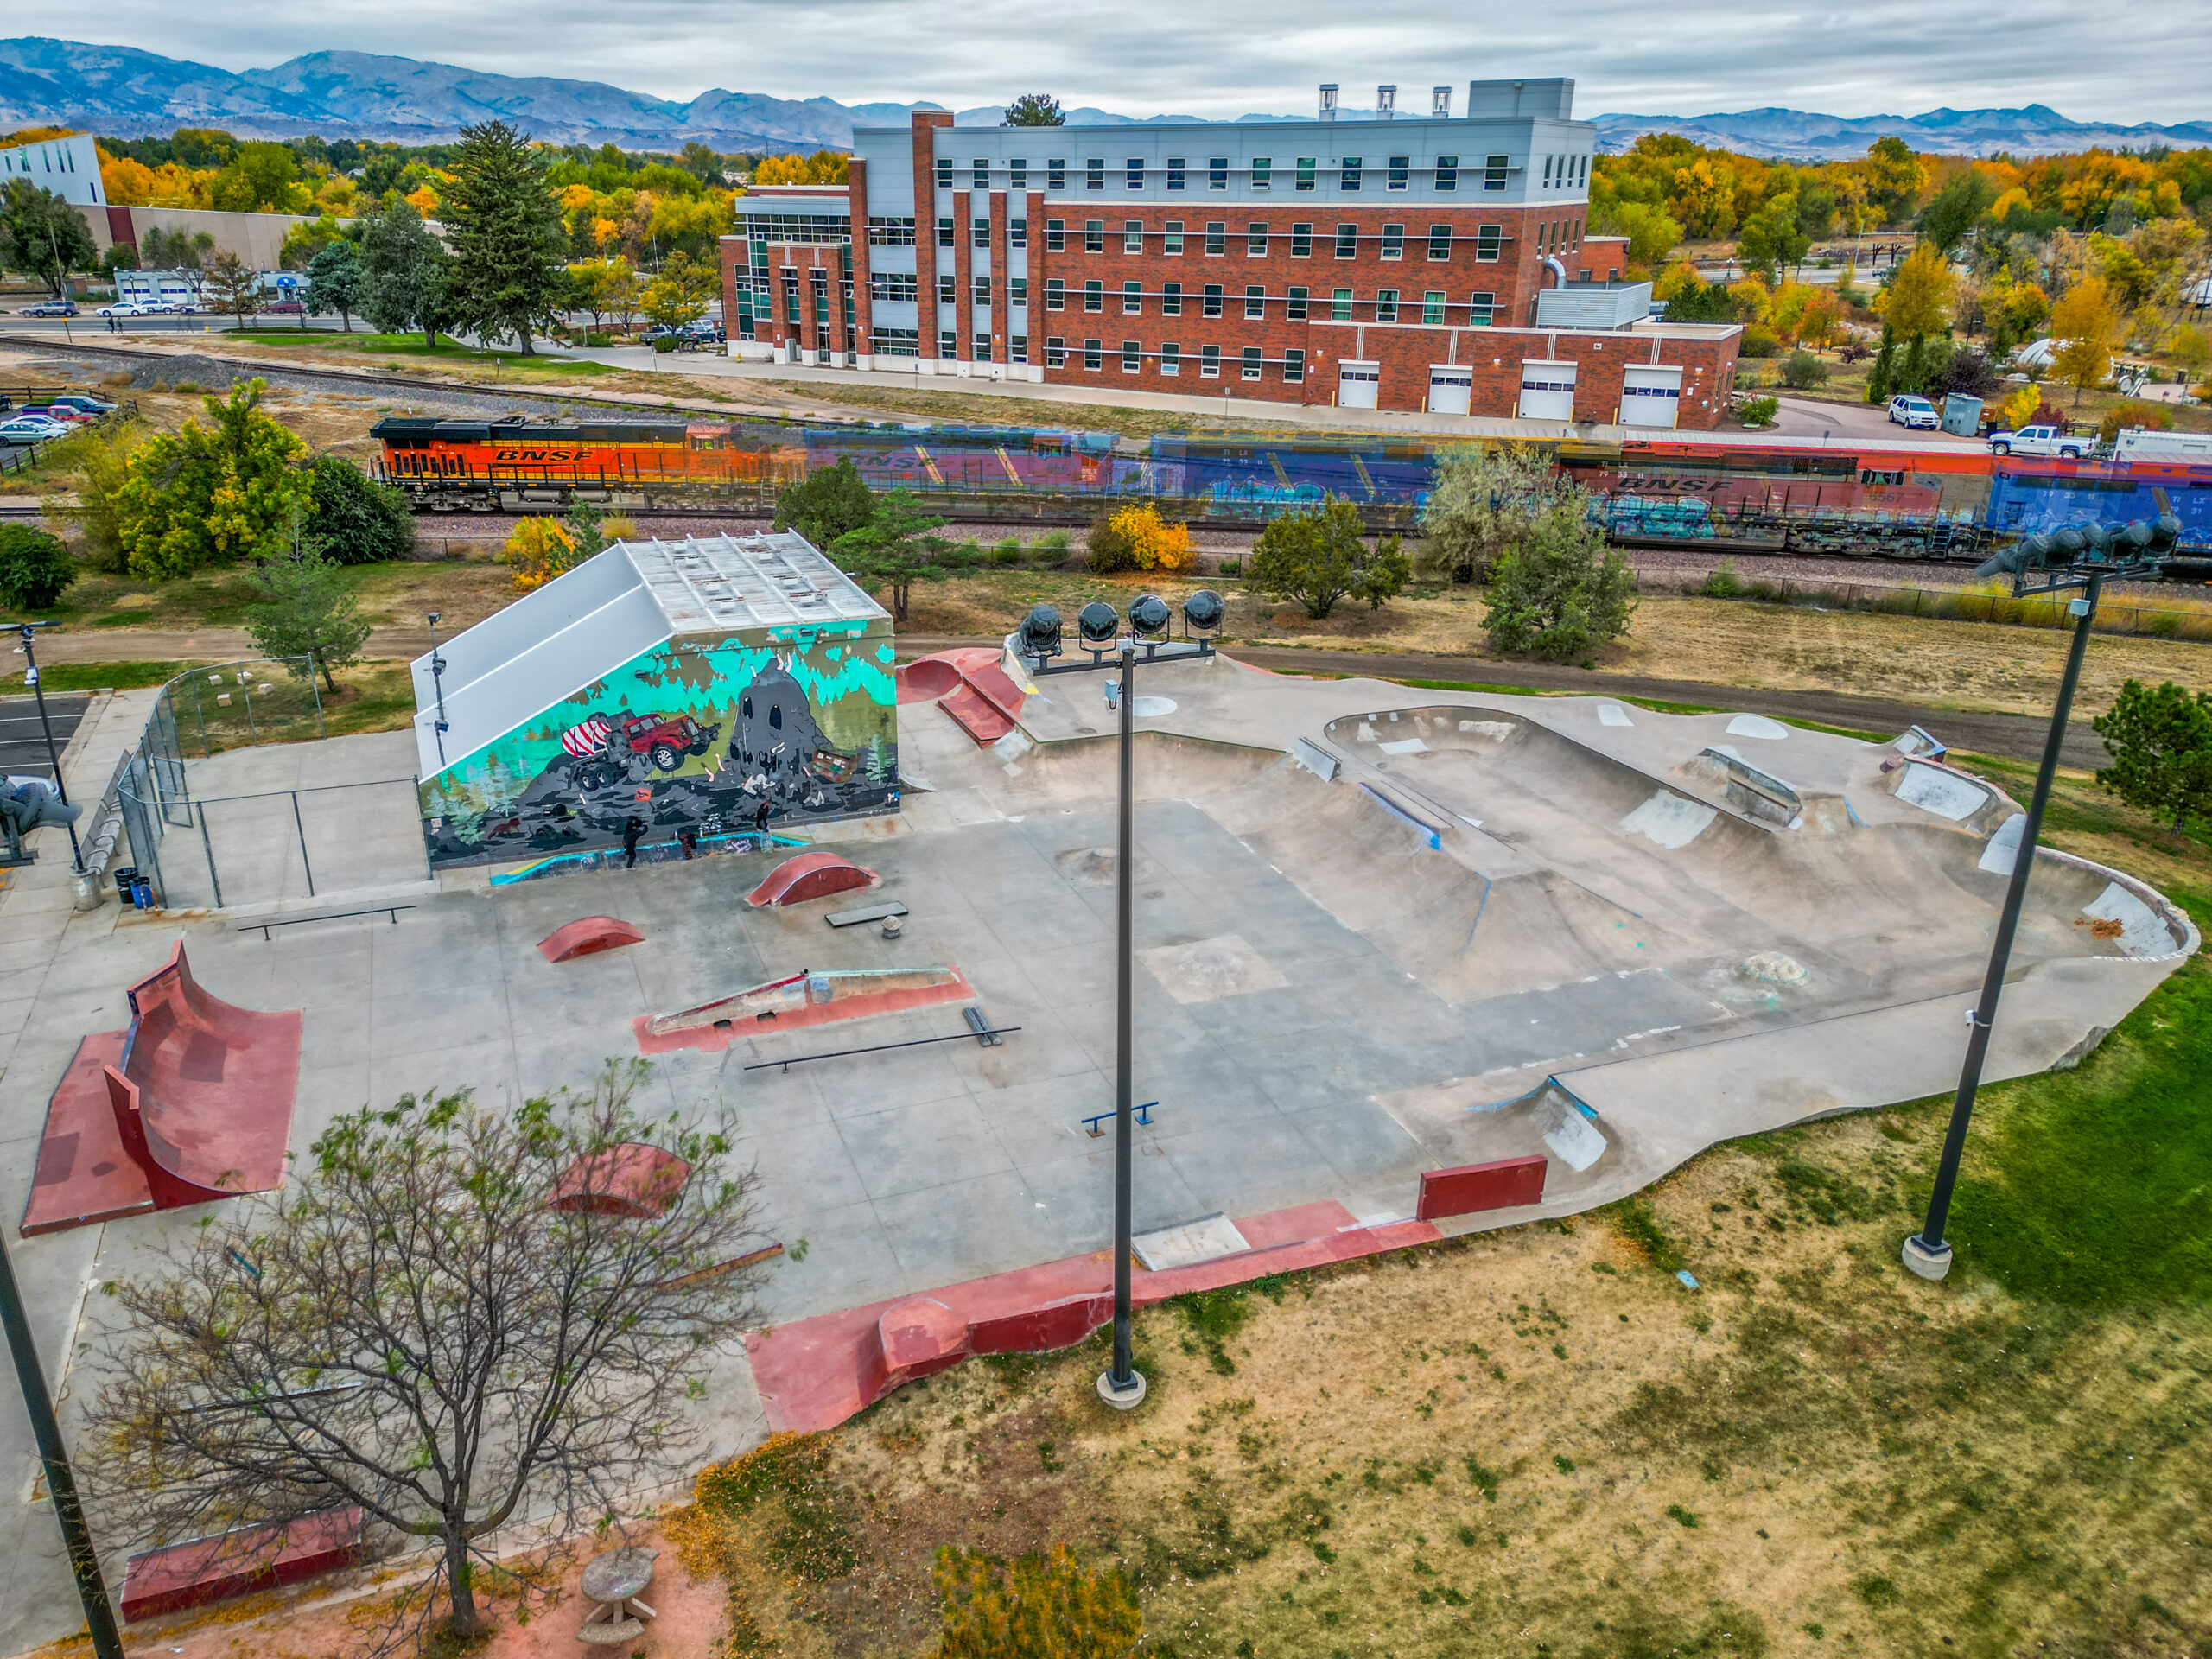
{"x": 215, "y": 822}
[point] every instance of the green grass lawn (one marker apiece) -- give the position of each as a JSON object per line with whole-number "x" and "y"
{"x": 412, "y": 346}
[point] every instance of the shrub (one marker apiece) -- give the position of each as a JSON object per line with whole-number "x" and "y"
{"x": 2133, "y": 413}
{"x": 1055, "y": 541}
{"x": 1232, "y": 567}
{"x": 537, "y": 550}
{"x": 1801, "y": 370}
{"x": 1138, "y": 539}
{"x": 829, "y": 502}
{"x": 1321, "y": 556}
{"x": 356, "y": 519}
{"x": 2161, "y": 744}
{"x": 1760, "y": 412}
{"x": 1482, "y": 503}
{"x": 1563, "y": 591}
{"x": 1759, "y": 341}
{"x": 98, "y": 463}
{"x": 1008, "y": 552}
{"x": 36, "y": 568}
{"x": 1722, "y": 581}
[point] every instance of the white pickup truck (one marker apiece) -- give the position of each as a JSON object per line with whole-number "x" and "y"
{"x": 2040, "y": 441}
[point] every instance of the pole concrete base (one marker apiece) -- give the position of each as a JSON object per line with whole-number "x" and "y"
{"x": 1127, "y": 1399}
{"x": 1929, "y": 1264}
{"x": 85, "y": 892}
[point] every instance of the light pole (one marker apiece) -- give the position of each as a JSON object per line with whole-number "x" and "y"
{"x": 1100, "y": 633}
{"x": 2066, "y": 561}
{"x": 29, "y": 631}
{"x": 439, "y": 727}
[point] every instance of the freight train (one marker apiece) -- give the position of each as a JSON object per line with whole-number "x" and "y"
{"x": 1903, "y": 500}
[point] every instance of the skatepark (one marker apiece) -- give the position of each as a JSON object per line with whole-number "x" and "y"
{"x": 1381, "y": 932}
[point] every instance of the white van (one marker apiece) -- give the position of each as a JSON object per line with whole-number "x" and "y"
{"x": 2141, "y": 443}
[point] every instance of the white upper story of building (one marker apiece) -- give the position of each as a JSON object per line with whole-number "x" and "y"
{"x": 69, "y": 167}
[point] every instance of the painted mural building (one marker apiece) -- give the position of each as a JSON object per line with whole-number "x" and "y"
{"x": 672, "y": 693}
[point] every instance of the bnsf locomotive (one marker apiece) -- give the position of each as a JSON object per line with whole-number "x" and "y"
{"x": 516, "y": 465}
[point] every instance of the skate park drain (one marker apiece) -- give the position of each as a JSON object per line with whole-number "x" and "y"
{"x": 1152, "y": 707}
{"x": 1772, "y": 967}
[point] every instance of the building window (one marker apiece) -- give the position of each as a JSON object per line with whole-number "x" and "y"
{"x": 1480, "y": 308}
{"x": 1017, "y": 232}
{"x": 1294, "y": 307}
{"x": 1340, "y": 306}
{"x": 895, "y": 342}
{"x": 1132, "y": 299}
{"x": 1217, "y": 236}
{"x": 1402, "y": 171}
{"x": 947, "y": 342}
{"x": 1056, "y": 352}
{"x": 1439, "y": 243}
{"x": 1210, "y": 362}
{"x": 1308, "y": 167}
{"x": 1255, "y": 240}
{"x": 1547, "y": 172}
{"x": 1347, "y": 240}
{"x": 1252, "y": 362}
{"x": 1301, "y": 241}
{"x": 1386, "y": 305}
{"x": 980, "y": 172}
{"x": 1094, "y": 296}
{"x": 944, "y": 173}
{"x": 1175, "y": 173}
{"x": 1488, "y": 241}
{"x": 979, "y": 231}
{"x": 1056, "y": 235}
{"x": 1394, "y": 241}
{"x": 945, "y": 232}
{"x": 1431, "y": 307}
{"x": 1217, "y": 173}
{"x": 982, "y": 351}
{"x": 1133, "y": 236}
{"x": 1017, "y": 348}
{"x": 1263, "y": 172}
{"x": 1256, "y": 301}
{"x": 1017, "y": 178}
{"x": 1093, "y": 353}
{"x": 1348, "y": 172}
{"x": 1294, "y": 366}
{"x": 1056, "y": 293}
{"x": 1447, "y": 172}
{"x": 891, "y": 232}
{"x": 1017, "y": 291}
{"x": 1132, "y": 356}
{"x": 1171, "y": 300}
{"x": 1171, "y": 359}
{"x": 1133, "y": 173}
{"x": 893, "y": 285}
{"x": 982, "y": 288}
{"x": 1094, "y": 236}
{"x": 1494, "y": 172}
{"x": 1209, "y": 301}
{"x": 1170, "y": 239}
{"x": 1056, "y": 178}
{"x": 946, "y": 294}
{"x": 1094, "y": 178}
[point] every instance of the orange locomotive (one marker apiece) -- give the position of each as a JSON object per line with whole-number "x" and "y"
{"x": 516, "y": 465}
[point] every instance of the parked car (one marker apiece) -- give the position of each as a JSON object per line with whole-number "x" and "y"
{"x": 49, "y": 308}
{"x": 66, "y": 414}
{"x": 85, "y": 401}
{"x": 31, "y": 429}
{"x": 283, "y": 309}
{"x": 2040, "y": 441}
{"x": 1914, "y": 413}
{"x": 706, "y": 331}
{"x": 127, "y": 308}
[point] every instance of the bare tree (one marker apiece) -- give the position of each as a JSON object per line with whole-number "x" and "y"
{"x": 417, "y": 1326}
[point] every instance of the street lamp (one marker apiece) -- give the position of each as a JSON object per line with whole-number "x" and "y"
{"x": 2067, "y": 560}
{"x": 1149, "y": 637}
{"x": 29, "y": 648}
{"x": 439, "y": 727}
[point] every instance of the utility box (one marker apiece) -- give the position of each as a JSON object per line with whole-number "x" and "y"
{"x": 1962, "y": 415}
{"x": 1593, "y": 305}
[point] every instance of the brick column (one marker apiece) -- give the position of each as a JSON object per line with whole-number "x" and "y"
{"x": 925, "y": 248}
{"x": 964, "y": 267}
{"x": 731, "y": 249}
{"x": 1039, "y": 323}
{"x": 1001, "y": 267}
{"x": 856, "y": 184}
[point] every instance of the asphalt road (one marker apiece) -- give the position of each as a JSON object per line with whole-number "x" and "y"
{"x": 23, "y": 743}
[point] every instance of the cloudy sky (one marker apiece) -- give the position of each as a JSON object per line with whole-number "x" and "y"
{"x": 2148, "y": 60}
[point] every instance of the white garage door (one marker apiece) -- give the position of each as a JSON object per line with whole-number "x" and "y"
{"x": 1358, "y": 384}
{"x": 1650, "y": 397}
{"x": 1450, "y": 390}
{"x": 1548, "y": 392}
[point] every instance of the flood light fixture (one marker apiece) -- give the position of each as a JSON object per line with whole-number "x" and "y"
{"x": 1098, "y": 625}
{"x": 1040, "y": 632}
{"x": 1203, "y": 611}
{"x": 1149, "y": 616}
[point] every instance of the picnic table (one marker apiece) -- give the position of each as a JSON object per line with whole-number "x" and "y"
{"x": 615, "y": 1581}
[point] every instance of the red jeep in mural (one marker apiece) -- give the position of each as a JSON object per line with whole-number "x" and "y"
{"x": 668, "y": 741}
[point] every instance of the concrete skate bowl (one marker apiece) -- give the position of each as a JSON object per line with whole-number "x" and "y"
{"x": 970, "y": 685}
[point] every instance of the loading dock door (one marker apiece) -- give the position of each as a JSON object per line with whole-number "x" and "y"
{"x": 1358, "y": 384}
{"x": 1547, "y": 391}
{"x": 1450, "y": 390}
{"x": 1649, "y": 397}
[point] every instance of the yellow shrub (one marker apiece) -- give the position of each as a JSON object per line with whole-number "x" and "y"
{"x": 537, "y": 550}
{"x": 1137, "y": 538}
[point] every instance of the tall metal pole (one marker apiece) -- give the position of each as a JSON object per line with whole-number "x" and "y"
{"x": 84, "y": 1560}
{"x": 1927, "y": 1253}
{"x": 1123, "y": 1387}
{"x": 53, "y": 755}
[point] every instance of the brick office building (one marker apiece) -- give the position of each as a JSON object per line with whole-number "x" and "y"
{"x": 1438, "y": 264}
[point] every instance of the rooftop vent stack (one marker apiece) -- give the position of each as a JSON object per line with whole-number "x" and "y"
{"x": 1386, "y": 103}
{"x": 1439, "y": 103}
{"x": 1328, "y": 100}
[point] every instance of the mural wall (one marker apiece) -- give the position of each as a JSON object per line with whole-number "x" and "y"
{"x": 693, "y": 737}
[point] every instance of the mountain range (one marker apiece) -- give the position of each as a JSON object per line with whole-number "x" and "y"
{"x": 125, "y": 93}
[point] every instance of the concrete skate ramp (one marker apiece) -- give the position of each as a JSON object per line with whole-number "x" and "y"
{"x": 586, "y": 936}
{"x": 203, "y": 1097}
{"x": 811, "y": 876}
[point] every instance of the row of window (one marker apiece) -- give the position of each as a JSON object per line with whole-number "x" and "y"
{"x": 1561, "y": 171}
{"x": 1168, "y": 358}
{"x": 1390, "y": 241}
{"x": 1175, "y": 173}
{"x": 1213, "y": 299}
{"x": 796, "y": 227}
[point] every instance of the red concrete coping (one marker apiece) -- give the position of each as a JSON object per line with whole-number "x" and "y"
{"x": 585, "y": 936}
{"x": 811, "y": 876}
{"x": 1468, "y": 1188}
{"x": 913, "y": 1339}
{"x": 633, "y": 1180}
{"x": 925, "y": 679}
{"x": 240, "y": 1563}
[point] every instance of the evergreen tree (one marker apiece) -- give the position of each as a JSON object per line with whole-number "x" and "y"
{"x": 1879, "y": 388}
{"x": 403, "y": 273}
{"x": 1319, "y": 557}
{"x": 2161, "y": 744}
{"x": 355, "y": 519}
{"x": 307, "y": 615}
{"x": 335, "y": 282}
{"x": 1563, "y": 591}
{"x": 510, "y": 271}
{"x": 897, "y": 547}
{"x": 828, "y": 503}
